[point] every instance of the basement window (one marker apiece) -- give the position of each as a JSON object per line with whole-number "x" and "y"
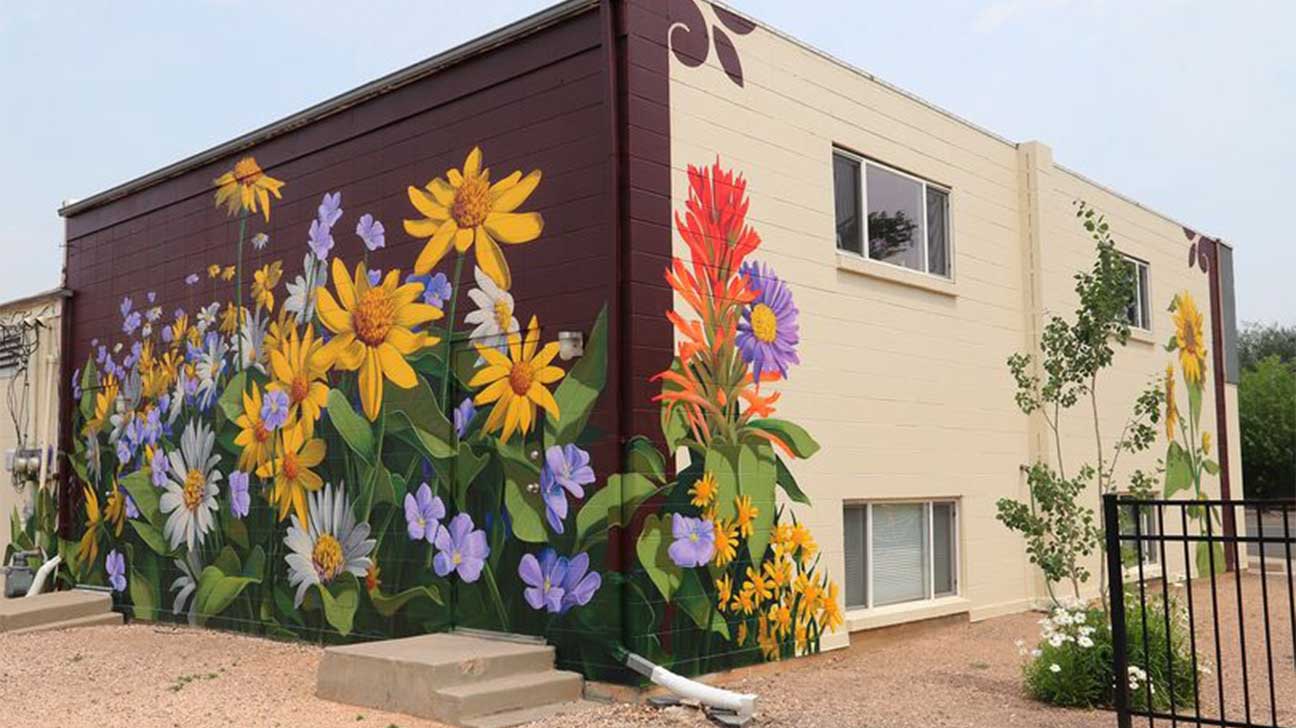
{"x": 898, "y": 553}
{"x": 904, "y": 219}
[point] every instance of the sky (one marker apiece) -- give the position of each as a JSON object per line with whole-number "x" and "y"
{"x": 1185, "y": 105}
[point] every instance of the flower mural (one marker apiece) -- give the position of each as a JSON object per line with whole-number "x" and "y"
{"x": 353, "y": 451}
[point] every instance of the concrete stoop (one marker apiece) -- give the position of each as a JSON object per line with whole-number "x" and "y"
{"x": 57, "y": 610}
{"x": 464, "y": 680}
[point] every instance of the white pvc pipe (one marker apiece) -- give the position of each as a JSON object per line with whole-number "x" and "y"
{"x": 741, "y": 704}
{"x": 38, "y": 582}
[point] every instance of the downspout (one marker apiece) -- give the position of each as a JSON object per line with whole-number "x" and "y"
{"x": 742, "y": 705}
{"x": 65, "y": 491}
{"x": 1221, "y": 407}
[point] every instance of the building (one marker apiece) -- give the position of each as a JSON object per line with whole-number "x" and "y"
{"x": 31, "y": 331}
{"x": 675, "y": 335}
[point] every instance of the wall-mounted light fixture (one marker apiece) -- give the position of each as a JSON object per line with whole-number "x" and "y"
{"x": 571, "y": 345}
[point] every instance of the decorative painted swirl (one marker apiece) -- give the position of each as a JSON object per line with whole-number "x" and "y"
{"x": 691, "y": 43}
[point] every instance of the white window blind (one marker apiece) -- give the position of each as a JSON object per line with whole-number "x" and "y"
{"x": 899, "y": 553}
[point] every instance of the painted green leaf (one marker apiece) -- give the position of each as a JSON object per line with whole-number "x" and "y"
{"x": 89, "y": 381}
{"x": 389, "y": 605}
{"x": 216, "y": 591}
{"x": 756, "y": 476}
{"x": 254, "y": 567}
{"x": 228, "y": 562}
{"x": 340, "y": 600}
{"x": 1195, "y": 401}
{"x": 466, "y": 467}
{"x": 643, "y": 457}
{"x": 525, "y": 508}
{"x": 580, "y": 389}
{"x": 231, "y": 400}
{"x": 793, "y": 435}
{"x": 722, "y": 462}
{"x": 236, "y": 531}
{"x": 417, "y": 408}
{"x": 1178, "y": 470}
{"x": 153, "y": 537}
{"x": 1203, "y": 558}
{"x": 145, "y": 496}
{"x": 1211, "y": 467}
{"x": 1172, "y": 343}
{"x": 143, "y": 586}
{"x": 693, "y": 599}
{"x": 789, "y": 484}
{"x": 652, "y": 549}
{"x": 353, "y": 428}
{"x": 603, "y": 510}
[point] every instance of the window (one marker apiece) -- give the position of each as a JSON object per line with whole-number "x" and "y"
{"x": 1146, "y": 526}
{"x": 907, "y": 220}
{"x": 11, "y": 346}
{"x": 1139, "y": 312}
{"x": 900, "y": 552}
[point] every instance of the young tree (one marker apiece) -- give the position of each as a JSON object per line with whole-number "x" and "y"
{"x": 1267, "y": 415}
{"x": 1060, "y": 532}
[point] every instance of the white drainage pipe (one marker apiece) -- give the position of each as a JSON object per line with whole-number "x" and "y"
{"x": 742, "y": 705}
{"x": 38, "y": 581}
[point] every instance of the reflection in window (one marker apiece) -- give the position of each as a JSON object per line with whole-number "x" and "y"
{"x": 906, "y": 222}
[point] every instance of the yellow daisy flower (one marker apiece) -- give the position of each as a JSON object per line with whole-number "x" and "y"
{"x": 1172, "y": 407}
{"x": 115, "y": 510}
{"x": 1206, "y": 443}
{"x": 291, "y": 469}
{"x": 745, "y": 601}
{"x": 88, "y": 549}
{"x": 373, "y": 330}
{"x": 760, "y": 588}
{"x": 227, "y": 274}
{"x": 726, "y": 541}
{"x": 704, "y": 490}
{"x": 516, "y": 383}
{"x": 780, "y": 619}
{"x": 742, "y": 633}
{"x": 724, "y": 591}
{"x": 105, "y": 402}
{"x": 747, "y": 514}
{"x": 830, "y": 614}
{"x": 264, "y": 282}
{"x": 213, "y": 270}
{"x": 778, "y": 574}
{"x": 231, "y": 318}
{"x": 468, "y": 210}
{"x": 245, "y": 187}
{"x": 254, "y": 437}
{"x": 1190, "y": 337}
{"x": 802, "y": 539}
{"x": 295, "y": 366}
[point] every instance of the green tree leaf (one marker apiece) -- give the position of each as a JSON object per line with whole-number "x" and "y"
{"x": 793, "y": 435}
{"x": 652, "y": 549}
{"x": 353, "y": 428}
{"x": 580, "y": 389}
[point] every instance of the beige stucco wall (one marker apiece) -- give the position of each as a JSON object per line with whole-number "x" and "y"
{"x": 903, "y": 378}
{"x": 43, "y": 394}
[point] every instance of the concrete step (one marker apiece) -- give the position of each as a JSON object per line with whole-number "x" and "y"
{"x": 109, "y": 619}
{"x": 42, "y": 609}
{"x": 511, "y": 718}
{"x": 515, "y": 692}
{"x": 404, "y": 675}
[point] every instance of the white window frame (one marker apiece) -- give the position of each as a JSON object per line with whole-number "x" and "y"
{"x": 1141, "y": 265}
{"x": 864, "y": 163}
{"x": 956, "y": 563}
{"x": 1152, "y": 568}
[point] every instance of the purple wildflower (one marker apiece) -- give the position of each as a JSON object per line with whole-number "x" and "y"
{"x": 375, "y": 276}
{"x": 579, "y": 586}
{"x": 126, "y": 305}
{"x": 158, "y": 470}
{"x": 371, "y": 232}
{"x": 768, "y": 333}
{"x": 423, "y": 514}
{"x": 131, "y": 322}
{"x": 240, "y": 501}
{"x": 321, "y": 239}
{"x": 330, "y": 209}
{"x": 463, "y": 415}
{"x": 124, "y": 453}
{"x": 544, "y": 578}
{"x": 76, "y": 383}
{"x": 191, "y": 279}
{"x": 566, "y": 468}
{"x": 152, "y": 297}
{"x": 694, "y": 541}
{"x": 132, "y": 510}
{"x": 461, "y": 549}
{"x": 436, "y": 288}
{"x": 115, "y": 563}
{"x": 274, "y": 409}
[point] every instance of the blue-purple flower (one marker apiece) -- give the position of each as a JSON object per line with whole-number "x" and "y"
{"x": 240, "y": 499}
{"x": 463, "y": 415}
{"x": 694, "y": 543}
{"x": 330, "y": 209}
{"x": 566, "y": 470}
{"x": 580, "y": 584}
{"x": 371, "y": 232}
{"x": 461, "y": 549}
{"x": 76, "y": 383}
{"x": 375, "y": 276}
{"x": 768, "y": 333}
{"x": 321, "y": 239}
{"x": 274, "y": 409}
{"x": 158, "y": 470}
{"x": 191, "y": 279}
{"x": 436, "y": 288}
{"x": 544, "y": 579}
{"x": 115, "y": 564}
{"x": 131, "y": 322}
{"x": 423, "y": 514}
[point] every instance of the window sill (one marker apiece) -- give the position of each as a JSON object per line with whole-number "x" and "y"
{"x": 1143, "y": 336}
{"x": 860, "y": 619}
{"x": 895, "y": 274}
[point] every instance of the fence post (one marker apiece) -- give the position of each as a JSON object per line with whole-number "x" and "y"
{"x": 1116, "y": 578}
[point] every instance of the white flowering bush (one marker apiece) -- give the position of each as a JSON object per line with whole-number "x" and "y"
{"x": 1071, "y": 665}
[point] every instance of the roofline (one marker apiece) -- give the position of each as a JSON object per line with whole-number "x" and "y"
{"x": 50, "y": 295}
{"x": 1126, "y": 198}
{"x": 501, "y": 36}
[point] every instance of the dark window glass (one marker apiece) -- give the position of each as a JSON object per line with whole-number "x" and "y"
{"x": 846, "y": 194}
{"x": 937, "y": 232}
{"x": 856, "y": 522}
{"x": 895, "y": 217}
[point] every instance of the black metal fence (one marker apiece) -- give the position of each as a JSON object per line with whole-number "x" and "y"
{"x": 1216, "y": 649}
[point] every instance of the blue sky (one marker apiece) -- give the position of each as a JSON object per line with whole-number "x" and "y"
{"x": 1185, "y": 105}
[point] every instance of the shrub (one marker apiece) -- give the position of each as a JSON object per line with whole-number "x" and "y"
{"x": 1072, "y": 665}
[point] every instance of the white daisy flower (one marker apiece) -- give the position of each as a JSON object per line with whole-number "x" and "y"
{"x": 260, "y": 240}
{"x": 330, "y": 544}
{"x": 1055, "y": 668}
{"x": 208, "y": 369}
{"x": 190, "y": 567}
{"x": 494, "y": 317}
{"x": 207, "y": 317}
{"x": 252, "y": 340}
{"x": 301, "y": 292}
{"x": 191, "y": 489}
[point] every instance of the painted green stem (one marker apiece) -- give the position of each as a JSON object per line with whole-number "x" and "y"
{"x": 450, "y": 328}
{"x": 496, "y": 598}
{"x": 238, "y": 290}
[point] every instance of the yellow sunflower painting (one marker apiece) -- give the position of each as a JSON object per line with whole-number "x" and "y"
{"x": 517, "y": 383}
{"x": 1190, "y": 337}
{"x": 247, "y": 188}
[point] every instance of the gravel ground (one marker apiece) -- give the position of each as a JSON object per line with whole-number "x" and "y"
{"x": 953, "y": 675}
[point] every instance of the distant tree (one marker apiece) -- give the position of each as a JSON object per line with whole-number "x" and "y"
{"x": 1258, "y": 341}
{"x": 1267, "y": 415}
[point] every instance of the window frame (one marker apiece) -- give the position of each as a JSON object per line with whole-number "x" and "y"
{"x": 12, "y": 340}
{"x": 929, "y": 580}
{"x": 863, "y": 163}
{"x": 1143, "y": 303}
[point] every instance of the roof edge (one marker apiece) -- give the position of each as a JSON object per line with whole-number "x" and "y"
{"x": 48, "y": 295}
{"x": 498, "y": 37}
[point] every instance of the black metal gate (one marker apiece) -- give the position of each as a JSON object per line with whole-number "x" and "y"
{"x": 1221, "y": 645}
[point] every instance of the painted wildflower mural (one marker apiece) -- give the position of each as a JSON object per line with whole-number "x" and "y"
{"x": 357, "y": 452}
